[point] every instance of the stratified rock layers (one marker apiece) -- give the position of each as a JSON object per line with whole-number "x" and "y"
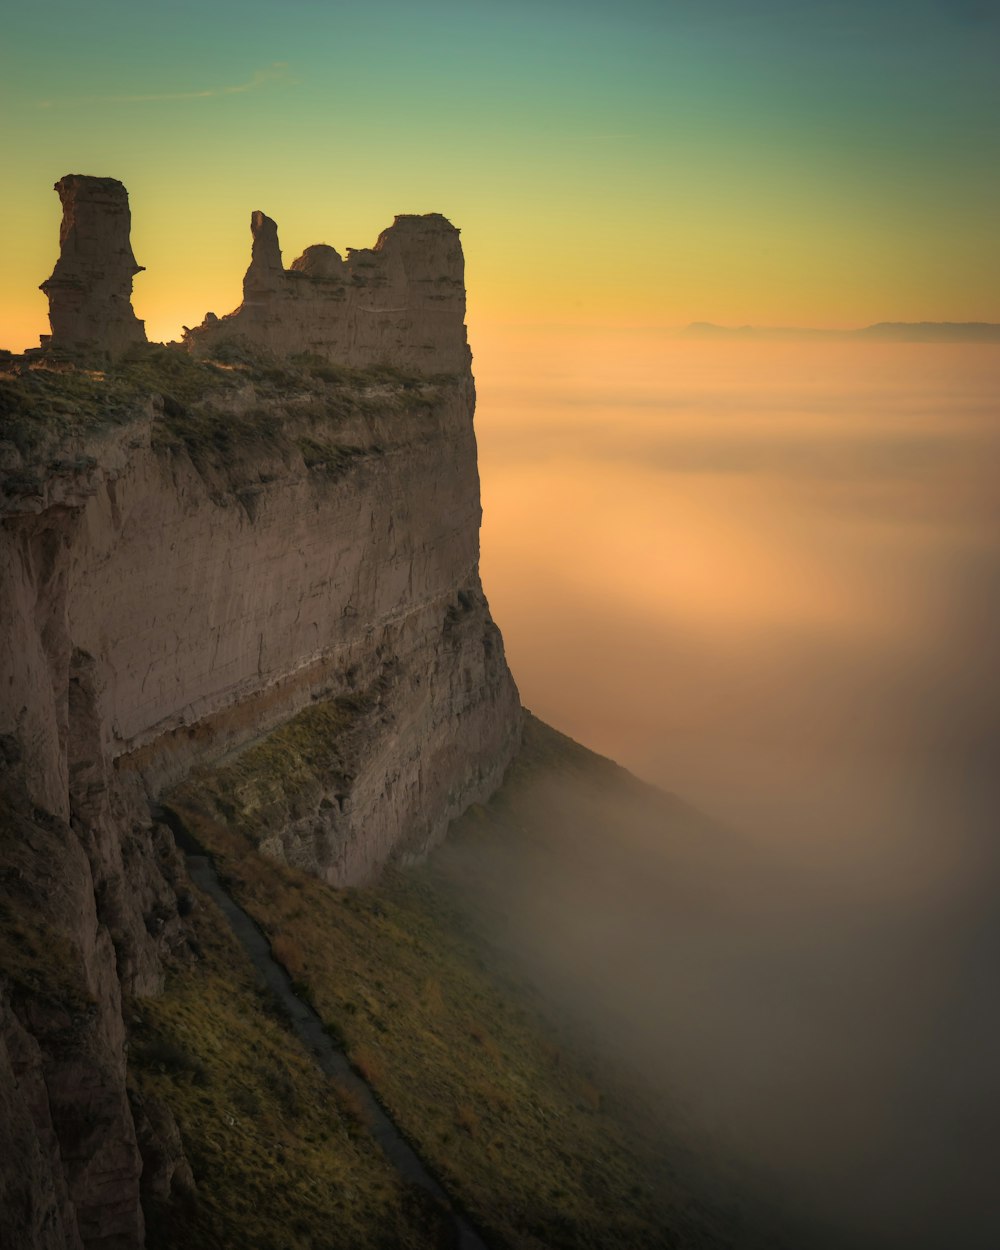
{"x": 161, "y": 611}
{"x": 90, "y": 290}
{"x": 187, "y": 612}
{"x": 169, "y": 600}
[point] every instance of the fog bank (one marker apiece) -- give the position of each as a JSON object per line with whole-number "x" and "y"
{"x": 767, "y": 577}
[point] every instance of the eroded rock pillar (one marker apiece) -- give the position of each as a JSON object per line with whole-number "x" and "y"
{"x": 90, "y": 290}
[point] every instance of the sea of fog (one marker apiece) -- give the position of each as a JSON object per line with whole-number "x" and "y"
{"x": 766, "y": 576}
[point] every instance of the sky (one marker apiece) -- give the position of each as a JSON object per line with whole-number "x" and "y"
{"x": 643, "y": 163}
{"x": 767, "y": 574}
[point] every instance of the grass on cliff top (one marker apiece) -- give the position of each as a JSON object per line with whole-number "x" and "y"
{"x": 47, "y": 401}
{"x": 526, "y": 1130}
{"x": 281, "y": 1157}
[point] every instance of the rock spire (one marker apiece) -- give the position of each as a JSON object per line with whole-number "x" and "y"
{"x": 400, "y": 303}
{"x": 90, "y": 290}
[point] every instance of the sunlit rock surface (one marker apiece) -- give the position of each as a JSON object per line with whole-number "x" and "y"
{"x": 401, "y": 302}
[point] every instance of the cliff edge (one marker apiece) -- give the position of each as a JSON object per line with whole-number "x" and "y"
{"x": 255, "y": 552}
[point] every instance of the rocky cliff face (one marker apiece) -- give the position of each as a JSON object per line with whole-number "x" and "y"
{"x": 205, "y": 561}
{"x": 190, "y": 598}
{"x": 402, "y": 301}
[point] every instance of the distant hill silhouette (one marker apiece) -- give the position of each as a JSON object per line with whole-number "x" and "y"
{"x": 933, "y": 331}
{"x": 890, "y": 331}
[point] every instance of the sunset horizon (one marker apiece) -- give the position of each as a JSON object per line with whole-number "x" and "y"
{"x": 499, "y": 586}
{"x": 644, "y": 165}
{"x": 24, "y": 317}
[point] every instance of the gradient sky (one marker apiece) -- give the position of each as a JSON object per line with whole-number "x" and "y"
{"x": 647, "y": 162}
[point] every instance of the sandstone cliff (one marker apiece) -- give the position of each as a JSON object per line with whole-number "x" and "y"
{"x": 205, "y": 559}
{"x": 90, "y": 290}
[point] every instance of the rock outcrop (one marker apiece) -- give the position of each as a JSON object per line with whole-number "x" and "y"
{"x": 168, "y": 603}
{"x": 400, "y": 303}
{"x": 90, "y": 290}
{"x": 193, "y": 555}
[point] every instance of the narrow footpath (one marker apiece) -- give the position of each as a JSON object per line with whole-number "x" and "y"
{"x": 308, "y": 1027}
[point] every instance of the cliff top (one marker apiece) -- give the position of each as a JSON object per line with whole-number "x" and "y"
{"x": 52, "y": 406}
{"x": 400, "y": 303}
{"x": 87, "y": 186}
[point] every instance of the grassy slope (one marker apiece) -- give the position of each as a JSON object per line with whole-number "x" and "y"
{"x": 281, "y": 1158}
{"x": 529, "y": 1133}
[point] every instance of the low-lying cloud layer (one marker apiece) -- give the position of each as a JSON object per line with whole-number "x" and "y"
{"x": 779, "y": 601}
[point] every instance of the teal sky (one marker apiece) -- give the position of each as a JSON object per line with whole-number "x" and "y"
{"x": 634, "y": 163}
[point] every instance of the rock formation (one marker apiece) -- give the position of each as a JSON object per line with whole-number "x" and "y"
{"x": 400, "y": 303}
{"x": 185, "y": 564}
{"x": 90, "y": 290}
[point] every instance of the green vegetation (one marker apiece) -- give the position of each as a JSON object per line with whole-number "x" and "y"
{"x": 51, "y": 401}
{"x": 526, "y": 1129}
{"x": 38, "y": 959}
{"x": 281, "y": 1157}
{"x": 284, "y": 775}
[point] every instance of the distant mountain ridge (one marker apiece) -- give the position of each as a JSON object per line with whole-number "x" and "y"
{"x": 889, "y": 331}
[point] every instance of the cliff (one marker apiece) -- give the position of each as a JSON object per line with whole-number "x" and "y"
{"x": 216, "y": 557}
